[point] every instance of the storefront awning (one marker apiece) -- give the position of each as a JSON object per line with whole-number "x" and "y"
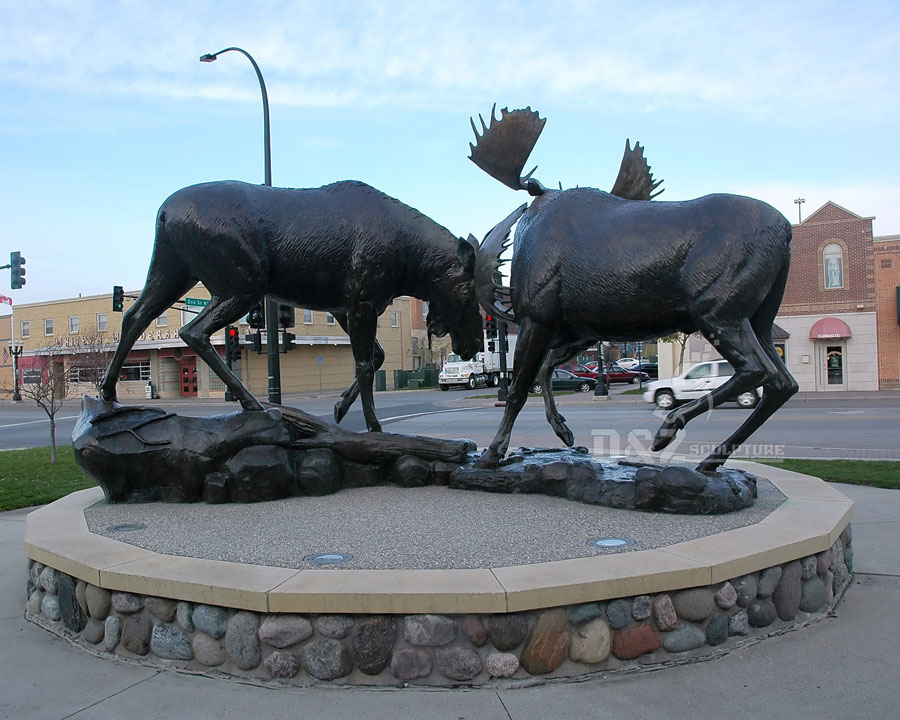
{"x": 828, "y": 329}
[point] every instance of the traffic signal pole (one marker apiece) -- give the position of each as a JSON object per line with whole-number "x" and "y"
{"x": 503, "y": 390}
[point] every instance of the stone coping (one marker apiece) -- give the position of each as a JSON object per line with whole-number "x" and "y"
{"x": 808, "y": 522}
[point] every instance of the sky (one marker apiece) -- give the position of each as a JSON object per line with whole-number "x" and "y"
{"x": 105, "y": 109}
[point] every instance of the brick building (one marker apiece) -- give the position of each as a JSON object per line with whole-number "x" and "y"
{"x": 829, "y": 306}
{"x": 887, "y": 296}
{"x": 80, "y": 329}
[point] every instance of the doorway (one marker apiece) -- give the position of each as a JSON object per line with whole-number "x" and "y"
{"x": 831, "y": 365}
{"x": 188, "y": 373}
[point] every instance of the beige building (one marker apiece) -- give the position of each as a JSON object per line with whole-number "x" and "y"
{"x": 82, "y": 332}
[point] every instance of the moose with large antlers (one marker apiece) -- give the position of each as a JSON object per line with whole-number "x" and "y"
{"x": 589, "y": 264}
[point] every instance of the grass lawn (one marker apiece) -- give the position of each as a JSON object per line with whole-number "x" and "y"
{"x": 877, "y": 473}
{"x": 27, "y": 478}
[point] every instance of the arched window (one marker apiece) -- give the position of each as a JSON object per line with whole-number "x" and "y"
{"x": 833, "y": 266}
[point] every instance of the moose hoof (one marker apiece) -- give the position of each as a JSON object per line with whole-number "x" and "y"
{"x": 340, "y": 409}
{"x": 663, "y": 437}
{"x": 488, "y": 460}
{"x": 564, "y": 433}
{"x": 710, "y": 464}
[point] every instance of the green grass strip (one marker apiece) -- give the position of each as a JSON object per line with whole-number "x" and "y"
{"x": 875, "y": 473}
{"x": 28, "y": 478}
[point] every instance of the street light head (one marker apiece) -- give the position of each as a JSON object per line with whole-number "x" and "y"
{"x": 209, "y": 57}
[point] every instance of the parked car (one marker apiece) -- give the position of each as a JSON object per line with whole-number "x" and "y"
{"x": 579, "y": 370}
{"x": 615, "y": 373}
{"x": 627, "y": 363}
{"x": 696, "y": 382}
{"x": 651, "y": 368}
{"x": 592, "y": 365}
{"x": 564, "y": 380}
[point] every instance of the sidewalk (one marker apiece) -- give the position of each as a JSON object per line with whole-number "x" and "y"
{"x": 845, "y": 666}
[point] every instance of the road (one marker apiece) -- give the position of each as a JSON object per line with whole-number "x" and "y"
{"x": 857, "y": 425}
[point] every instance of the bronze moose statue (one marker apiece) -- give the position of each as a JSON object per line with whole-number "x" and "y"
{"x": 589, "y": 264}
{"x": 346, "y": 248}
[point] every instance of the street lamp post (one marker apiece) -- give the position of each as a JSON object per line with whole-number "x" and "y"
{"x": 16, "y": 352}
{"x": 799, "y": 202}
{"x": 274, "y": 360}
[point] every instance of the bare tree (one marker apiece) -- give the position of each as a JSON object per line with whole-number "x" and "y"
{"x": 681, "y": 339}
{"x": 91, "y": 358}
{"x": 46, "y": 383}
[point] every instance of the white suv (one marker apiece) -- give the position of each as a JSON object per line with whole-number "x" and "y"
{"x": 696, "y": 382}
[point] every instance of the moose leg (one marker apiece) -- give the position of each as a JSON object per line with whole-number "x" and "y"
{"x": 776, "y": 391}
{"x": 168, "y": 279}
{"x": 554, "y": 417}
{"x": 737, "y": 343}
{"x": 362, "y": 324}
{"x": 530, "y": 350}
{"x": 219, "y": 313}
{"x": 348, "y": 397}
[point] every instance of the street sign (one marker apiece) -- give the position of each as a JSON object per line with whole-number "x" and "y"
{"x": 196, "y": 302}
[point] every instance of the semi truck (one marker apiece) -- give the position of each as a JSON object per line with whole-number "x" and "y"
{"x": 482, "y": 370}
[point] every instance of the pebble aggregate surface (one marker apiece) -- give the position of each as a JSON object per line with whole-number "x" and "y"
{"x": 388, "y": 527}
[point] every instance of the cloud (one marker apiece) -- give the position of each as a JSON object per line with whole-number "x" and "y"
{"x": 720, "y": 56}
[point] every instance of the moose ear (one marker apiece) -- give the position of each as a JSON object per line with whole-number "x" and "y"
{"x": 466, "y": 253}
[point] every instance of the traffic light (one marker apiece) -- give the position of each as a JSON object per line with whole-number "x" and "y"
{"x": 232, "y": 342}
{"x": 288, "y": 340}
{"x": 256, "y": 318}
{"x": 286, "y": 316}
{"x": 118, "y": 298}
{"x": 255, "y": 339}
{"x": 490, "y": 327}
{"x": 16, "y": 271}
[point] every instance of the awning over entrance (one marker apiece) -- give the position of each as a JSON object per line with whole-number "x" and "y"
{"x": 779, "y": 333}
{"x": 829, "y": 328}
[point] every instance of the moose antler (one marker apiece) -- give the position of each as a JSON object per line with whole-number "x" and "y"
{"x": 635, "y": 181}
{"x": 502, "y": 149}
{"x": 492, "y": 294}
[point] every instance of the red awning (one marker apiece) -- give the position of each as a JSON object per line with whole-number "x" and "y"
{"x": 829, "y": 328}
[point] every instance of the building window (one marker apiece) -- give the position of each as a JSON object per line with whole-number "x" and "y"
{"x": 73, "y": 324}
{"x": 424, "y": 310}
{"x": 307, "y": 317}
{"x": 395, "y": 319}
{"x": 78, "y": 374}
{"x": 329, "y": 319}
{"x": 48, "y": 326}
{"x": 101, "y": 322}
{"x": 32, "y": 376}
{"x": 25, "y": 328}
{"x": 885, "y": 263}
{"x": 162, "y": 321}
{"x": 833, "y": 266}
{"x": 135, "y": 370}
